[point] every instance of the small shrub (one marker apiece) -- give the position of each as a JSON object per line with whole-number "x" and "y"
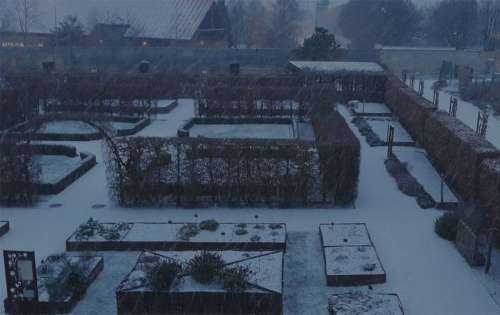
{"x": 446, "y": 226}
{"x": 240, "y": 231}
{"x": 255, "y": 238}
{"x": 241, "y": 225}
{"x": 163, "y": 275}
{"x": 275, "y": 226}
{"x": 205, "y": 266}
{"x": 187, "y": 231}
{"x": 259, "y": 226}
{"x": 87, "y": 230}
{"x": 235, "y": 279}
{"x": 209, "y": 225}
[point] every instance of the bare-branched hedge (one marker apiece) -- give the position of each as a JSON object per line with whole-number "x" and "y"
{"x": 239, "y": 172}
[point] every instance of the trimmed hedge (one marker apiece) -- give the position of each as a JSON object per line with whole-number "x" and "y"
{"x": 340, "y": 155}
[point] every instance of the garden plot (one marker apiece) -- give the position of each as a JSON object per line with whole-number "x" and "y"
{"x": 207, "y": 235}
{"x": 380, "y": 127}
{"x": 358, "y": 303}
{"x": 78, "y": 127}
{"x": 62, "y": 282}
{"x": 353, "y": 266}
{"x": 370, "y": 109}
{"x": 422, "y": 170}
{"x": 242, "y": 131}
{"x": 350, "y": 257}
{"x": 4, "y": 227}
{"x": 53, "y": 168}
{"x": 226, "y": 282}
{"x": 344, "y": 235}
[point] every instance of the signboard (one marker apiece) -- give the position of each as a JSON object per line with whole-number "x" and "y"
{"x": 20, "y": 276}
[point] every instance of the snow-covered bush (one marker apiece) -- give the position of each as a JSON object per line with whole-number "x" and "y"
{"x": 209, "y": 225}
{"x": 163, "y": 275}
{"x": 446, "y": 226}
{"x": 236, "y": 279}
{"x": 205, "y": 267}
{"x": 187, "y": 231}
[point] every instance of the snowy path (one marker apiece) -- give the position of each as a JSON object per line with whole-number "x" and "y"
{"x": 427, "y": 272}
{"x": 466, "y": 112}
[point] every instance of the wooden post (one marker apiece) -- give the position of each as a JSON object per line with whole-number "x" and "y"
{"x": 390, "y": 141}
{"x": 421, "y": 87}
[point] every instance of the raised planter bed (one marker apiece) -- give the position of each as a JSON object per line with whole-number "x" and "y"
{"x": 370, "y": 109}
{"x": 4, "y": 227}
{"x": 59, "y": 171}
{"x": 138, "y": 236}
{"x": 53, "y": 272}
{"x": 263, "y": 293}
{"x": 226, "y": 127}
{"x": 72, "y": 129}
{"x": 349, "y": 255}
{"x": 375, "y": 131}
{"x": 365, "y": 304}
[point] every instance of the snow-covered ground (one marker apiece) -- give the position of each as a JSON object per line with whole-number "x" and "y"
{"x": 53, "y": 168}
{"x": 78, "y": 127}
{"x": 466, "y": 111}
{"x": 371, "y": 108}
{"x": 419, "y": 167}
{"x": 254, "y": 131}
{"x": 381, "y": 125}
{"x": 427, "y": 272}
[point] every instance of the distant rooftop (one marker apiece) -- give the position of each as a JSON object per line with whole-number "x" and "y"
{"x": 172, "y": 19}
{"x": 336, "y": 67}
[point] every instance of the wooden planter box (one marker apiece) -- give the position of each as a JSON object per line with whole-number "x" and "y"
{"x": 350, "y": 256}
{"x": 4, "y": 227}
{"x": 163, "y": 236}
{"x": 54, "y": 307}
{"x": 261, "y": 298}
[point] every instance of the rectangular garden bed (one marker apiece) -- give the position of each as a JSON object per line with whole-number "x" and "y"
{"x": 371, "y": 109}
{"x": 350, "y": 256}
{"x": 422, "y": 170}
{"x": 380, "y": 127}
{"x": 53, "y": 272}
{"x": 353, "y": 266}
{"x": 259, "y": 293}
{"x": 344, "y": 234}
{"x": 57, "y": 172}
{"x": 207, "y": 235}
{"x": 4, "y": 227}
{"x": 365, "y": 304}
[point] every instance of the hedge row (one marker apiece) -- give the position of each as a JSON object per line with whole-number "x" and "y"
{"x": 340, "y": 155}
{"x": 468, "y": 162}
{"x": 187, "y": 171}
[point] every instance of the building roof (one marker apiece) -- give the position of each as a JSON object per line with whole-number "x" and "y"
{"x": 172, "y": 19}
{"x": 338, "y": 67}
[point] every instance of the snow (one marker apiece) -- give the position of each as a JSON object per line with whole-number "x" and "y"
{"x": 359, "y": 303}
{"x": 352, "y": 260}
{"x": 337, "y": 66}
{"x": 466, "y": 111}
{"x": 146, "y": 232}
{"x": 78, "y": 127}
{"x": 54, "y": 168}
{"x": 370, "y": 108}
{"x": 419, "y": 167}
{"x": 428, "y": 273}
{"x": 266, "y": 266}
{"x": 253, "y": 131}
{"x": 381, "y": 125}
{"x": 345, "y": 235}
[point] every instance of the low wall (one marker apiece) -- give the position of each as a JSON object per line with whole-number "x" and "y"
{"x": 469, "y": 163}
{"x": 428, "y": 60}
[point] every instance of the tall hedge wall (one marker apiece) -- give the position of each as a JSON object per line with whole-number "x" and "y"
{"x": 187, "y": 171}
{"x": 340, "y": 155}
{"x": 469, "y": 162}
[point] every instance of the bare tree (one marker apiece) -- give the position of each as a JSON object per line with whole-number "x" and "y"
{"x": 6, "y": 22}
{"x": 26, "y": 12}
{"x": 490, "y": 23}
{"x": 285, "y": 24}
